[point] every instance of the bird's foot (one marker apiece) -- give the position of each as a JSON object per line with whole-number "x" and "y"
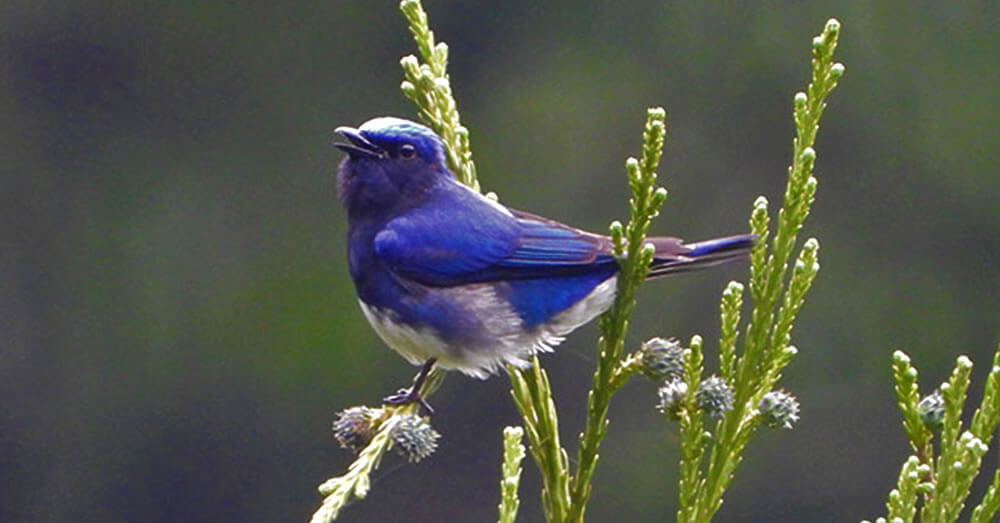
{"x": 407, "y": 396}
{"x": 412, "y": 394}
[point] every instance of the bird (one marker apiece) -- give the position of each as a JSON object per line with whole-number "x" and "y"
{"x": 448, "y": 277}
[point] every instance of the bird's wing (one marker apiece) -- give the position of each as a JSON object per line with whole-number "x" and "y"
{"x": 465, "y": 240}
{"x": 545, "y": 242}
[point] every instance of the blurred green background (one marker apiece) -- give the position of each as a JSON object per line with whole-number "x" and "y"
{"x": 178, "y": 326}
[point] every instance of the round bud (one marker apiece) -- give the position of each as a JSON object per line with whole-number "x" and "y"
{"x": 662, "y": 360}
{"x": 837, "y": 70}
{"x": 672, "y": 395}
{"x": 714, "y": 396}
{"x": 778, "y": 409}
{"x": 931, "y": 410}
{"x": 354, "y": 427}
{"x": 414, "y": 437}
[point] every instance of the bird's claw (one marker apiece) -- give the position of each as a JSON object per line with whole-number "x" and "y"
{"x": 407, "y": 396}
{"x": 400, "y": 397}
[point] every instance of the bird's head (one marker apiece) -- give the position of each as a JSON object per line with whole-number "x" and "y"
{"x": 390, "y": 162}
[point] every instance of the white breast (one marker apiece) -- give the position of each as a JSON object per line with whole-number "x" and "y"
{"x": 416, "y": 345}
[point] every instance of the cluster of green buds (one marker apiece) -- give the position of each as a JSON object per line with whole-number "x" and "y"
{"x": 412, "y": 435}
{"x": 663, "y": 361}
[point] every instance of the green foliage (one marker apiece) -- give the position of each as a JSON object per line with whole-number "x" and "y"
{"x": 533, "y": 397}
{"x": 634, "y": 257}
{"x": 513, "y": 453}
{"x": 731, "y": 305}
{"x": 777, "y": 300}
{"x": 694, "y": 438}
{"x": 908, "y": 398}
{"x": 902, "y": 502}
{"x": 942, "y": 483}
{"x": 427, "y": 85}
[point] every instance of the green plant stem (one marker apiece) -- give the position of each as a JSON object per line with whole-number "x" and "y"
{"x": 730, "y": 305}
{"x": 907, "y": 398}
{"x": 533, "y": 397}
{"x": 949, "y": 494}
{"x": 984, "y": 423}
{"x": 429, "y": 87}
{"x": 693, "y": 436}
{"x": 633, "y": 266}
{"x": 766, "y": 342}
{"x": 627, "y": 368}
{"x": 513, "y": 453}
{"x": 903, "y": 500}
{"x": 990, "y": 503}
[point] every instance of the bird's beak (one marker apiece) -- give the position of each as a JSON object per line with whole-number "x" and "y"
{"x": 360, "y": 147}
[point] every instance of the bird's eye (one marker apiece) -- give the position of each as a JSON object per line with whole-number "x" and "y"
{"x": 407, "y": 151}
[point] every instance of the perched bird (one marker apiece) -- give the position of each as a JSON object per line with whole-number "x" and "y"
{"x": 449, "y": 277}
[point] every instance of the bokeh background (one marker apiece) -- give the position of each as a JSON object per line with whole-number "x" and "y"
{"x": 177, "y": 326}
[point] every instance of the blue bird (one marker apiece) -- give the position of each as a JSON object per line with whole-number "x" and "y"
{"x": 451, "y": 278}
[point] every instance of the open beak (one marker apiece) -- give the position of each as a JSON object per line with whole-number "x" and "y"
{"x": 360, "y": 147}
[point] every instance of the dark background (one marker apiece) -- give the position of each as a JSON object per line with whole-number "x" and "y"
{"x": 177, "y": 326}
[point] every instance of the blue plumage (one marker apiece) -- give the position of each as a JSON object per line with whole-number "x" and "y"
{"x": 444, "y": 274}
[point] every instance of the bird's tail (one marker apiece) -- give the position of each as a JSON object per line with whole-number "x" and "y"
{"x": 673, "y": 255}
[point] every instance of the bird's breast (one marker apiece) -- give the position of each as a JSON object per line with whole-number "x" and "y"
{"x": 414, "y": 342}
